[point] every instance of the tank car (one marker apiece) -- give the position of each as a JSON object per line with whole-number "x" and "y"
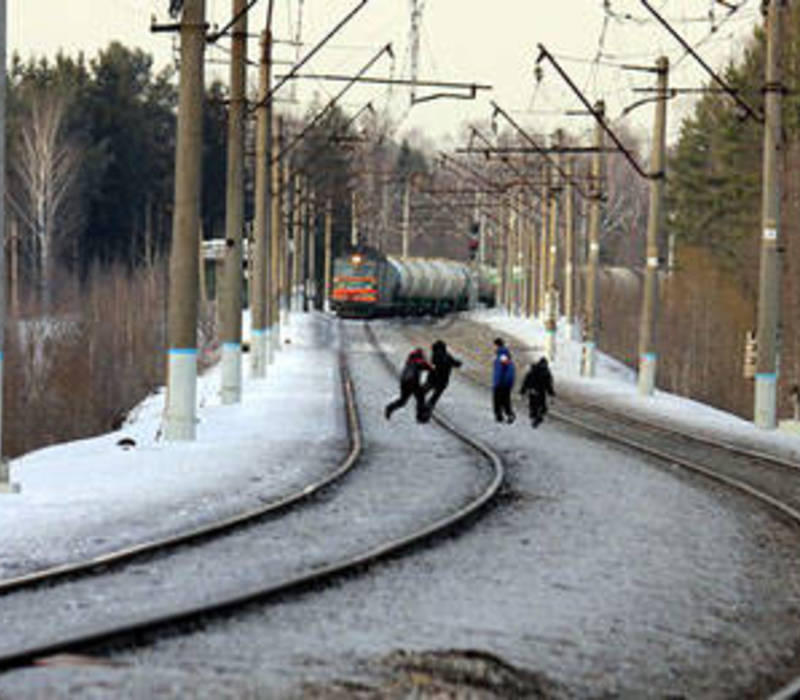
{"x": 430, "y": 286}
{"x": 367, "y": 283}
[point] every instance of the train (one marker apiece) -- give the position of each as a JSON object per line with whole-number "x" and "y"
{"x": 367, "y": 283}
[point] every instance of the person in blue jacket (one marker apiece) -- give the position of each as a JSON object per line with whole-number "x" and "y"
{"x": 502, "y": 383}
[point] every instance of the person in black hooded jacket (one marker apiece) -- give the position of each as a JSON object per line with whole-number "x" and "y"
{"x": 439, "y": 378}
{"x": 537, "y": 384}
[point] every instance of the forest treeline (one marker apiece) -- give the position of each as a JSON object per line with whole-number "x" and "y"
{"x": 90, "y": 171}
{"x": 91, "y": 148}
{"x": 714, "y": 193}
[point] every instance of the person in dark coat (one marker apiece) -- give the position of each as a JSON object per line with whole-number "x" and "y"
{"x": 411, "y": 384}
{"x": 439, "y": 378}
{"x": 502, "y": 383}
{"x": 538, "y": 383}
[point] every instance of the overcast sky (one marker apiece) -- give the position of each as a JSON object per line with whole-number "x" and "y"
{"x": 480, "y": 41}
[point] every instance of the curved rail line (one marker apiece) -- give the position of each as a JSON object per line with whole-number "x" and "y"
{"x": 759, "y": 466}
{"x": 763, "y": 467}
{"x": 131, "y": 631}
{"x": 217, "y": 527}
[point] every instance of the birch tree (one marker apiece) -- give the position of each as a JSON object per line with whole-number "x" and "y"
{"x": 46, "y": 164}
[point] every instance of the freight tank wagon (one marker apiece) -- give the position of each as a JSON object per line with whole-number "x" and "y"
{"x": 367, "y": 283}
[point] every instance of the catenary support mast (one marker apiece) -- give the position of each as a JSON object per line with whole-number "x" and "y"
{"x": 234, "y": 216}
{"x": 258, "y": 277}
{"x": 766, "y": 380}
{"x": 5, "y": 485}
{"x": 590, "y": 323}
{"x": 181, "y": 407}
{"x": 648, "y": 346}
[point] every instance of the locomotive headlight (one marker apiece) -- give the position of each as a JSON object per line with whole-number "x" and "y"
{"x": 355, "y": 259}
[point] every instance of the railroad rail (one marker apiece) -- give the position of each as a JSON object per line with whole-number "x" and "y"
{"x": 129, "y": 631}
{"x": 210, "y": 529}
{"x": 773, "y": 480}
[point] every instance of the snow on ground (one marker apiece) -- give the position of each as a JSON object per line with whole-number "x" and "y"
{"x": 89, "y": 487}
{"x": 615, "y": 385}
{"x": 75, "y": 496}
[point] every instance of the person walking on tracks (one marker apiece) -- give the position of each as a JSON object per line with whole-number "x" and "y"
{"x": 439, "y": 378}
{"x": 538, "y": 383}
{"x": 411, "y": 385}
{"x": 502, "y": 383}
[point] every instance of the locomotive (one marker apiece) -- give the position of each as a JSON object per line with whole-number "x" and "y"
{"x": 368, "y": 283}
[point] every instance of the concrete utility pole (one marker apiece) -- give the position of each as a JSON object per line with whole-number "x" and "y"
{"x": 590, "y": 329}
{"x": 353, "y": 218}
{"x": 530, "y": 302}
{"x": 520, "y": 257}
{"x": 297, "y": 224}
{"x": 543, "y": 244}
{"x": 258, "y": 279}
{"x": 304, "y": 208}
{"x": 384, "y": 239}
{"x": 551, "y": 300}
{"x": 508, "y": 257}
{"x": 406, "y": 214}
{"x": 569, "y": 250}
{"x": 768, "y": 345}
{"x": 180, "y": 416}
{"x": 326, "y": 305}
{"x": 514, "y": 250}
{"x": 648, "y": 346}
{"x": 555, "y": 196}
{"x": 474, "y": 262}
{"x": 500, "y": 254}
{"x": 231, "y": 297}
{"x": 312, "y": 248}
{"x": 276, "y": 238}
{"x": 285, "y": 220}
{"x": 5, "y": 485}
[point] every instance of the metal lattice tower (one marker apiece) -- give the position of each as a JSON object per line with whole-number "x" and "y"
{"x": 298, "y": 43}
{"x": 413, "y": 41}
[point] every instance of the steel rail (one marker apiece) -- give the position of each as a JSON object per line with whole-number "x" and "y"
{"x": 752, "y": 490}
{"x": 213, "y": 529}
{"x": 135, "y": 631}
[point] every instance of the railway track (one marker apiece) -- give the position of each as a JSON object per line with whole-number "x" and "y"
{"x": 772, "y": 480}
{"x": 769, "y": 479}
{"x": 216, "y": 528}
{"x": 160, "y": 580}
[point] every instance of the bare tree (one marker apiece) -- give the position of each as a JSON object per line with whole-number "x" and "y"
{"x": 46, "y": 164}
{"x": 625, "y": 212}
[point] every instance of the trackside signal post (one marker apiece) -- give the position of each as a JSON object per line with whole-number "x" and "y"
{"x": 769, "y": 274}
{"x": 181, "y": 408}
{"x": 655, "y": 223}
